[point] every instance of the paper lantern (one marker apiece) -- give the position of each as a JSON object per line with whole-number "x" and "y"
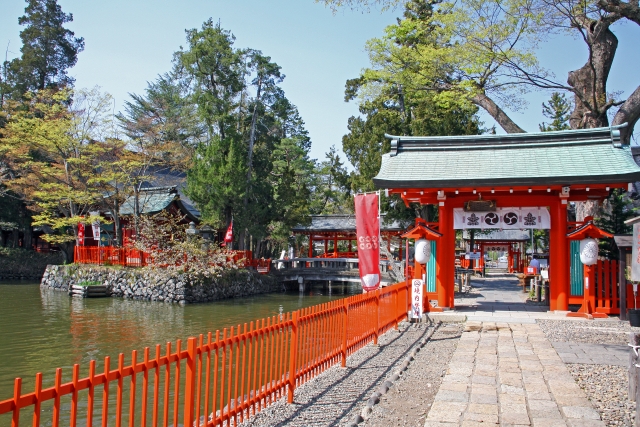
{"x": 423, "y": 251}
{"x": 588, "y": 251}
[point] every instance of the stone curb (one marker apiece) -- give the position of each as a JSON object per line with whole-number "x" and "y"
{"x": 447, "y": 317}
{"x": 388, "y": 383}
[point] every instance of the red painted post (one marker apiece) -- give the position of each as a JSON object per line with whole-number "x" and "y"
{"x": 293, "y": 356}
{"x": 190, "y": 380}
{"x": 17, "y": 387}
{"x": 345, "y": 325}
{"x": 559, "y": 257}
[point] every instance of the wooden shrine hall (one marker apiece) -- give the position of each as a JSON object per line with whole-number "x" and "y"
{"x": 509, "y": 241}
{"x": 513, "y": 181}
{"x": 340, "y": 230}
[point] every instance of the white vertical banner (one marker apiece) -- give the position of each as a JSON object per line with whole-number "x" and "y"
{"x": 635, "y": 253}
{"x": 95, "y": 225}
{"x": 417, "y": 286}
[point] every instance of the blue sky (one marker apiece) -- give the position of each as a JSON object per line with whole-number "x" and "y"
{"x": 128, "y": 43}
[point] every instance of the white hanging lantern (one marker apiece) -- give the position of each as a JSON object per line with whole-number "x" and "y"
{"x": 588, "y": 251}
{"x": 423, "y": 251}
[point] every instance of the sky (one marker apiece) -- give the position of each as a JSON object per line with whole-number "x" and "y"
{"x": 128, "y": 43}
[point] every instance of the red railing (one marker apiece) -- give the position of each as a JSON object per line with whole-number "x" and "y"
{"x": 229, "y": 375}
{"x": 127, "y": 257}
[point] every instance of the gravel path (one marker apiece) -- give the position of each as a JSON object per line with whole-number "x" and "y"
{"x": 592, "y": 331}
{"x": 408, "y": 401}
{"x": 336, "y": 396}
{"x": 605, "y": 385}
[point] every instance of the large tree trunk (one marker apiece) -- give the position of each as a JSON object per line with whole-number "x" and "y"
{"x": 590, "y": 81}
{"x": 629, "y": 113}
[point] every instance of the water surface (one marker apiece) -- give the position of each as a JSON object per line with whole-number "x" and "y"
{"x": 41, "y": 330}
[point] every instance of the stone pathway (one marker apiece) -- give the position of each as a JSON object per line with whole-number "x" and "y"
{"x": 593, "y": 354}
{"x": 509, "y": 374}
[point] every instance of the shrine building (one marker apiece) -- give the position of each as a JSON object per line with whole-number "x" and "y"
{"x": 506, "y": 182}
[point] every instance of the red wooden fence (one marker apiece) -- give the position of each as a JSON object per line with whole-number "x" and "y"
{"x": 229, "y": 375}
{"x": 127, "y": 257}
{"x": 607, "y": 288}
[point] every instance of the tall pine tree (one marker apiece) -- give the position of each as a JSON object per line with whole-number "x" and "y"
{"x": 48, "y": 49}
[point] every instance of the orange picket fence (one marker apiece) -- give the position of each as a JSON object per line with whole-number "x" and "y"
{"x": 127, "y": 257}
{"x": 218, "y": 379}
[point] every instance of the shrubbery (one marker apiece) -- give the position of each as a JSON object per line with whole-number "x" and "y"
{"x": 21, "y": 262}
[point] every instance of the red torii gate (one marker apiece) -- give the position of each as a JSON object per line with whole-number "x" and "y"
{"x": 549, "y": 169}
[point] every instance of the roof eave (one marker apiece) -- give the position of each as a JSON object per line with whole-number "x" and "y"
{"x": 515, "y": 181}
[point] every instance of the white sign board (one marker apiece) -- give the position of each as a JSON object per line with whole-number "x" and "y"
{"x": 417, "y": 286}
{"x": 635, "y": 253}
{"x": 472, "y": 255}
{"x": 503, "y": 218}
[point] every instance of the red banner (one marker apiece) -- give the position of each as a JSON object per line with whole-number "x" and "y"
{"x": 368, "y": 234}
{"x": 80, "y": 234}
{"x": 228, "y": 237}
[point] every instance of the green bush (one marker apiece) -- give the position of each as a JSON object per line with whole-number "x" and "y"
{"x": 21, "y": 262}
{"x": 89, "y": 283}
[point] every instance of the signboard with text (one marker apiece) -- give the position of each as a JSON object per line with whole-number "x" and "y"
{"x": 503, "y": 218}
{"x": 417, "y": 286}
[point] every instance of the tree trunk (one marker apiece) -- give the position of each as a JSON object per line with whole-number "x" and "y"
{"x": 629, "y": 113}
{"x": 590, "y": 81}
{"x": 483, "y": 101}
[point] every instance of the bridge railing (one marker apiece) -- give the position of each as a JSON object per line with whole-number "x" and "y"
{"x": 335, "y": 263}
{"x": 216, "y": 377}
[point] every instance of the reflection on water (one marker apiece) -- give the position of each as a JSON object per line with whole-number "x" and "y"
{"x": 41, "y": 330}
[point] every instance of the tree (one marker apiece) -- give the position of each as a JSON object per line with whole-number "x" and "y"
{"x": 331, "y": 186}
{"x": 255, "y": 151}
{"x": 489, "y": 48}
{"x": 48, "y": 49}
{"x": 51, "y": 167}
{"x": 557, "y": 110}
{"x": 164, "y": 117}
{"x": 393, "y": 100}
{"x": 616, "y": 210}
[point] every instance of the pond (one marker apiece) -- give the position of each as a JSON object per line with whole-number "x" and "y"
{"x": 41, "y": 330}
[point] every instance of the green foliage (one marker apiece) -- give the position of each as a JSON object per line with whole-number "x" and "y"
{"x": 395, "y": 98}
{"x": 253, "y": 165}
{"x": 48, "y": 49}
{"x": 89, "y": 283}
{"x": 617, "y": 208}
{"x": 331, "y": 186}
{"x": 27, "y": 263}
{"x": 558, "y": 110}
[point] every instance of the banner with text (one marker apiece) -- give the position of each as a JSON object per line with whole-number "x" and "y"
{"x": 368, "y": 233}
{"x": 503, "y": 218}
{"x": 417, "y": 286}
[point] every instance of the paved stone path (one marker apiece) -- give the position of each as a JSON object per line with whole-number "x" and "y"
{"x": 593, "y": 354}
{"x": 498, "y": 298}
{"x": 509, "y": 374}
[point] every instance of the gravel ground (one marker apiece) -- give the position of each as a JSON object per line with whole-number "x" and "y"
{"x": 408, "y": 401}
{"x": 588, "y": 331}
{"x": 336, "y": 396}
{"x": 605, "y": 385}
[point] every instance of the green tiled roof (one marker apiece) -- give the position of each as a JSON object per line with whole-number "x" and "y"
{"x": 149, "y": 202}
{"x": 588, "y": 156}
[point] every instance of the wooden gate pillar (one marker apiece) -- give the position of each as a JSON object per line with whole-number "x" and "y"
{"x": 559, "y": 258}
{"x": 445, "y": 263}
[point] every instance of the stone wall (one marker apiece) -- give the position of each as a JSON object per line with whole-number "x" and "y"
{"x": 160, "y": 285}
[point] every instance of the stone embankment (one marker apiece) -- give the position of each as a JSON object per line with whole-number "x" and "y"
{"x": 160, "y": 285}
